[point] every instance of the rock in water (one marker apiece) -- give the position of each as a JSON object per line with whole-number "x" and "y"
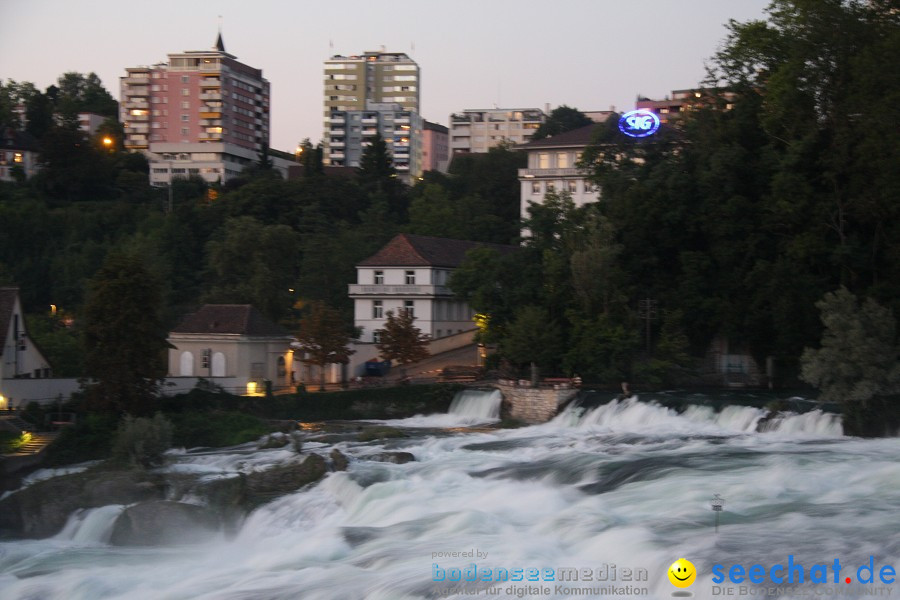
{"x": 283, "y": 479}
{"x": 164, "y": 523}
{"x": 339, "y": 460}
{"x": 397, "y": 458}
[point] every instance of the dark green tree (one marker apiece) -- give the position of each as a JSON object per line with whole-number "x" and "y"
{"x": 124, "y": 339}
{"x": 535, "y": 339}
{"x": 561, "y": 119}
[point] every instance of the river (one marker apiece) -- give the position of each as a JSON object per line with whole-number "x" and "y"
{"x": 615, "y": 488}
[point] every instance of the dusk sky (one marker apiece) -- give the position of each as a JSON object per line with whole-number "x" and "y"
{"x": 590, "y": 54}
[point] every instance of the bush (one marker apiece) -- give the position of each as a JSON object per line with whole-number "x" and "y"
{"x": 216, "y": 429}
{"x": 10, "y": 442}
{"x": 90, "y": 439}
{"x": 142, "y": 441}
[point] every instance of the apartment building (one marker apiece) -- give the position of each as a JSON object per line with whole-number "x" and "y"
{"x": 202, "y": 112}
{"x": 478, "y": 130}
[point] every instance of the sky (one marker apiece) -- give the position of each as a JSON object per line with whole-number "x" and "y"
{"x": 589, "y": 54}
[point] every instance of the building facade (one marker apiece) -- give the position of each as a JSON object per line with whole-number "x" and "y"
{"x": 435, "y": 147}
{"x": 18, "y": 154}
{"x": 552, "y": 166}
{"x": 477, "y": 130}
{"x": 351, "y": 82}
{"x": 351, "y": 131}
{"x": 673, "y": 106}
{"x": 206, "y": 103}
{"x": 232, "y": 342}
{"x": 410, "y": 273}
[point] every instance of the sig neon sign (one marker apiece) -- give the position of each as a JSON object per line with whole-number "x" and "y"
{"x": 639, "y": 123}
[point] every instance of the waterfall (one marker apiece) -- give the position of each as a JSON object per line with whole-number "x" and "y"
{"x": 477, "y": 405}
{"x": 634, "y": 415}
{"x": 92, "y": 525}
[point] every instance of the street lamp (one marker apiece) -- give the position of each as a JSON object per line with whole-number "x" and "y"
{"x": 298, "y": 152}
{"x": 108, "y": 143}
{"x": 717, "y": 503}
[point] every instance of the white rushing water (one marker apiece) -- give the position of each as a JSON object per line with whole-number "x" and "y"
{"x": 625, "y": 484}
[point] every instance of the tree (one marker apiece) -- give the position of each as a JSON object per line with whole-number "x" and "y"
{"x": 533, "y": 338}
{"x": 401, "y": 340}
{"x": 378, "y": 178}
{"x": 562, "y": 119}
{"x": 324, "y": 336}
{"x": 248, "y": 262}
{"x": 124, "y": 339}
{"x": 858, "y": 357}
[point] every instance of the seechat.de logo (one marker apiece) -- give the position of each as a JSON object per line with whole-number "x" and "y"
{"x": 639, "y": 123}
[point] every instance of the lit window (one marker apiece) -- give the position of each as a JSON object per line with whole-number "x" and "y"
{"x": 17, "y": 157}
{"x": 543, "y": 160}
{"x": 562, "y": 160}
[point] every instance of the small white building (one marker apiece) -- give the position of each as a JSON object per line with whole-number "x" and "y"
{"x": 231, "y": 345}
{"x": 18, "y": 150}
{"x": 20, "y": 358}
{"x": 410, "y": 273}
{"x": 552, "y": 167}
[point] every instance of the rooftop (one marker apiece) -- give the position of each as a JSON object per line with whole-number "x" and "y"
{"x": 241, "y": 319}
{"x": 408, "y": 250}
{"x": 574, "y": 138}
{"x": 8, "y": 297}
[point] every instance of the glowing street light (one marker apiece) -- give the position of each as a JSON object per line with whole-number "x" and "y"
{"x": 717, "y": 503}
{"x": 107, "y": 142}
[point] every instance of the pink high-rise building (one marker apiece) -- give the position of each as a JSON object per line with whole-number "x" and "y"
{"x": 201, "y": 113}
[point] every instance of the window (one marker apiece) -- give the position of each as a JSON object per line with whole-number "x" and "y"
{"x": 572, "y": 186}
{"x": 543, "y": 160}
{"x": 377, "y": 309}
{"x": 535, "y": 187}
{"x": 185, "y": 105}
{"x": 379, "y": 277}
{"x": 410, "y": 278}
{"x": 438, "y": 333}
{"x": 185, "y": 92}
{"x": 184, "y": 131}
{"x": 376, "y": 336}
{"x": 551, "y": 187}
{"x": 562, "y": 160}
{"x": 409, "y": 306}
{"x": 184, "y": 79}
{"x": 184, "y": 118}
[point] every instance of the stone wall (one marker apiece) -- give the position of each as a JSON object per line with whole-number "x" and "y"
{"x": 533, "y": 405}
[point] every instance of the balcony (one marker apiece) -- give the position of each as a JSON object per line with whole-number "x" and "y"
{"x": 210, "y": 113}
{"x": 211, "y": 96}
{"x": 137, "y": 80}
{"x": 370, "y": 121}
{"x": 210, "y": 82}
{"x": 211, "y": 123}
{"x": 529, "y": 173}
{"x": 401, "y": 121}
{"x": 399, "y": 290}
{"x": 142, "y": 130}
{"x": 142, "y": 91}
{"x": 336, "y": 144}
{"x": 136, "y": 104}
{"x": 336, "y": 155}
{"x": 369, "y": 131}
{"x": 337, "y": 120}
{"x": 214, "y": 137}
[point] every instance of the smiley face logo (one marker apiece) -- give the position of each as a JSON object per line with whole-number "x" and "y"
{"x": 682, "y": 573}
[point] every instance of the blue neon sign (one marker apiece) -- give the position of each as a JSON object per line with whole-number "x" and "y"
{"x": 639, "y": 123}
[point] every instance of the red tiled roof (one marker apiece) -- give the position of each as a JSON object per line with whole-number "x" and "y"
{"x": 409, "y": 250}
{"x": 241, "y": 319}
